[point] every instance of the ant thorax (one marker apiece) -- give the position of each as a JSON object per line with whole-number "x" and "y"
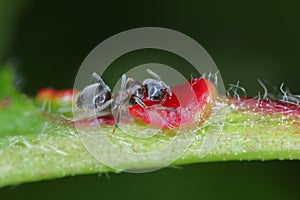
{"x": 120, "y": 98}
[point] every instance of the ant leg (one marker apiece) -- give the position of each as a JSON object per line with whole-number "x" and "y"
{"x": 91, "y": 114}
{"x": 77, "y": 118}
{"x": 165, "y": 108}
{"x": 100, "y": 110}
{"x": 131, "y": 80}
{"x": 164, "y": 120}
{"x": 140, "y": 102}
{"x": 143, "y": 105}
{"x": 103, "y": 106}
{"x": 116, "y": 123}
{"x": 123, "y": 82}
{"x": 86, "y": 116}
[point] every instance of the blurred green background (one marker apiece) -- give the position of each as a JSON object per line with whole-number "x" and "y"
{"x": 48, "y": 40}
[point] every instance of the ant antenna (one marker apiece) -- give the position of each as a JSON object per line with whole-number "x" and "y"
{"x": 97, "y": 79}
{"x": 152, "y": 73}
{"x": 116, "y": 124}
{"x": 123, "y": 82}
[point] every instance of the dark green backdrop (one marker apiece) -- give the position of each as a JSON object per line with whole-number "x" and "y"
{"x": 247, "y": 40}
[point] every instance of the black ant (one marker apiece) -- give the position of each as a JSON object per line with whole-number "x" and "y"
{"x": 97, "y": 96}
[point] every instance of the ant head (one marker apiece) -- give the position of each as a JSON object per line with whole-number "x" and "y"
{"x": 138, "y": 90}
{"x": 156, "y": 90}
{"x": 102, "y": 95}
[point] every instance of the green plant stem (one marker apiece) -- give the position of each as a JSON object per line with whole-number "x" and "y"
{"x": 35, "y": 146}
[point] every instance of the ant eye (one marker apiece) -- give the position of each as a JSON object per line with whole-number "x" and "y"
{"x": 140, "y": 90}
{"x": 103, "y": 98}
{"x": 100, "y": 99}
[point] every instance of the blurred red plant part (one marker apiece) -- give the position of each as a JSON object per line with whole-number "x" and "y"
{"x": 5, "y": 102}
{"x": 57, "y": 96}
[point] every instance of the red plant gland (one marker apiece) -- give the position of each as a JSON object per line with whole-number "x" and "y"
{"x": 189, "y": 105}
